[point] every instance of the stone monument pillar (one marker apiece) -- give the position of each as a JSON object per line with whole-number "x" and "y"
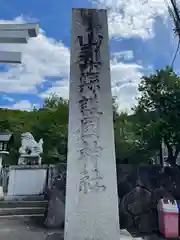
{"x": 91, "y": 192}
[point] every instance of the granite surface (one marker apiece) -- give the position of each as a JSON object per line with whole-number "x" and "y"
{"x": 22, "y": 167}
{"x": 23, "y": 228}
{"x": 139, "y": 190}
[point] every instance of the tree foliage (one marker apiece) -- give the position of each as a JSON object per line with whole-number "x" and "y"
{"x": 51, "y": 123}
{"x": 129, "y": 147}
{"x": 158, "y": 111}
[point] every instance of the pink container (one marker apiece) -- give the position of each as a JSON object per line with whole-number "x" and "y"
{"x": 168, "y": 216}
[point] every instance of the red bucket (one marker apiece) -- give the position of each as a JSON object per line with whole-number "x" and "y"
{"x": 168, "y": 215}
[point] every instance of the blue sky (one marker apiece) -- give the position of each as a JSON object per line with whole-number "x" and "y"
{"x": 141, "y": 40}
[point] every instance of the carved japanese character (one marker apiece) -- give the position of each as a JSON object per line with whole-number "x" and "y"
{"x": 89, "y": 55}
{"x": 90, "y": 126}
{"x": 85, "y": 152}
{"x": 83, "y": 103}
{"x": 88, "y": 78}
{"x": 89, "y": 106}
{"x": 84, "y": 183}
{"x": 88, "y": 184}
{"x": 96, "y": 151}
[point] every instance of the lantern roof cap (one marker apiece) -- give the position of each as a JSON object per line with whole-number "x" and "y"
{"x": 5, "y": 136}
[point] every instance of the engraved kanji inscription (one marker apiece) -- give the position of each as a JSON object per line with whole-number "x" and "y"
{"x": 89, "y": 55}
{"x": 89, "y": 106}
{"x": 90, "y": 126}
{"x": 91, "y": 183}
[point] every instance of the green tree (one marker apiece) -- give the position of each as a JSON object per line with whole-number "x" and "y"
{"x": 158, "y": 112}
{"x": 52, "y": 126}
{"x": 53, "y": 102}
{"x": 129, "y": 147}
{"x": 51, "y": 123}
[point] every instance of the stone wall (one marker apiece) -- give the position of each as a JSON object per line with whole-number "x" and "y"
{"x": 139, "y": 190}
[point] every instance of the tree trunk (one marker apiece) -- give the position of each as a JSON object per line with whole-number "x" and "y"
{"x": 172, "y": 160}
{"x": 172, "y": 156}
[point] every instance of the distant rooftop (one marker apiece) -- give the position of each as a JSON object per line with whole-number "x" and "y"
{"x": 5, "y": 136}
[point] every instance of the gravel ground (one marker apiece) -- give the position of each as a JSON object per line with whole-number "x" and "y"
{"x": 23, "y": 228}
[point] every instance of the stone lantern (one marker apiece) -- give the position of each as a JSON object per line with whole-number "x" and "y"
{"x": 5, "y": 139}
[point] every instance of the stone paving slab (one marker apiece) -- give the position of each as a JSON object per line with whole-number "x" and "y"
{"x": 24, "y": 228}
{"x": 21, "y": 228}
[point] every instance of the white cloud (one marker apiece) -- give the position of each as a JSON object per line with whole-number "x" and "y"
{"x": 42, "y": 57}
{"x": 124, "y": 81}
{"x": 24, "y": 105}
{"x": 121, "y": 74}
{"x": 124, "y": 72}
{"x": 132, "y": 18}
{"x": 127, "y": 95}
{"x": 125, "y": 55}
{"x": 125, "y": 78}
{"x": 60, "y": 88}
{"x": 9, "y": 99}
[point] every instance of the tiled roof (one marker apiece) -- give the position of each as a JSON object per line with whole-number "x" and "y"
{"x": 5, "y": 137}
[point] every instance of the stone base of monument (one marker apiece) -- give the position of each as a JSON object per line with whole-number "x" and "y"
{"x": 33, "y": 159}
{"x": 26, "y": 180}
{"x": 125, "y": 235}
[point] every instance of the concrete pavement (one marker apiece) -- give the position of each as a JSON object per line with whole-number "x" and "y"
{"x": 22, "y": 228}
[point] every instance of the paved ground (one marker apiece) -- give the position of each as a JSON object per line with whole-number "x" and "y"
{"x": 22, "y": 228}
{"x": 28, "y": 229}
